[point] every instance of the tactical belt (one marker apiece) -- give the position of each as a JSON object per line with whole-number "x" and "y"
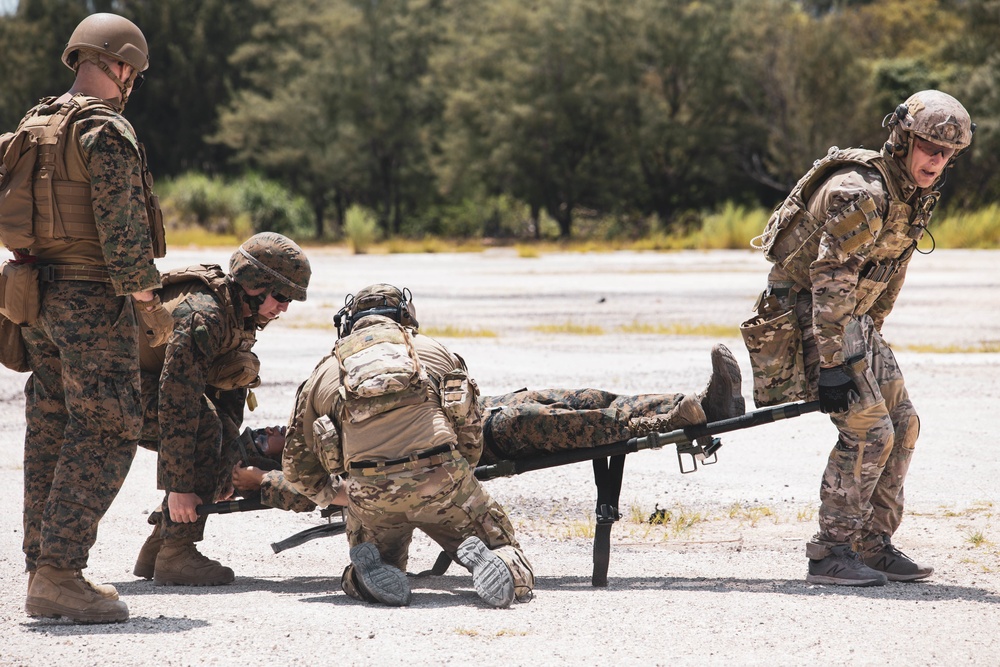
{"x": 421, "y": 459}
{"x": 52, "y": 272}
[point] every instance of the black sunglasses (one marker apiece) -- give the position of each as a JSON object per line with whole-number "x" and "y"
{"x": 280, "y": 298}
{"x": 137, "y": 82}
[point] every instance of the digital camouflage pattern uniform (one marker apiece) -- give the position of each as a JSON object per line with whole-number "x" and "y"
{"x": 82, "y": 398}
{"x": 841, "y": 244}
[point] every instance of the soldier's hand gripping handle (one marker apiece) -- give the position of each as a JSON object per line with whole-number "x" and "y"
{"x": 157, "y": 322}
{"x": 836, "y": 389}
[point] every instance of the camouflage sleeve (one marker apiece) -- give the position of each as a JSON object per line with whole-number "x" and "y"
{"x": 111, "y": 150}
{"x": 842, "y": 252}
{"x": 190, "y": 350}
{"x": 881, "y": 308}
{"x": 275, "y": 491}
{"x": 301, "y": 464}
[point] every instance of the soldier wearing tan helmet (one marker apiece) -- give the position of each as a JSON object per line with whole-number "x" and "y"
{"x": 840, "y": 245}
{"x": 196, "y": 381}
{"x": 89, "y": 232}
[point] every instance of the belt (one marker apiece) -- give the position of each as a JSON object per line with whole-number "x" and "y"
{"x": 52, "y": 272}
{"x": 417, "y": 459}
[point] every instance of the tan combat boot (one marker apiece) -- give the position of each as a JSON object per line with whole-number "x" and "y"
{"x": 55, "y": 593}
{"x": 179, "y": 563}
{"x": 723, "y": 397}
{"x": 145, "y": 562}
{"x": 106, "y": 591}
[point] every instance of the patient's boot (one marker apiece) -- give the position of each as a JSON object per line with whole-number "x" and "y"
{"x": 723, "y": 397}
{"x": 145, "y": 563}
{"x": 686, "y": 413}
{"x": 179, "y": 563}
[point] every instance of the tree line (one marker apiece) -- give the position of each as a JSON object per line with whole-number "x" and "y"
{"x": 433, "y": 113}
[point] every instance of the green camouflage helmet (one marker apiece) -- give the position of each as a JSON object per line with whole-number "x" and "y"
{"x": 934, "y": 116}
{"x": 111, "y": 35}
{"x": 274, "y": 263}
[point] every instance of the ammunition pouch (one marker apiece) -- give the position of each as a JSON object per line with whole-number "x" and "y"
{"x": 459, "y": 395}
{"x": 774, "y": 342}
{"x": 20, "y": 295}
{"x": 13, "y": 354}
{"x": 236, "y": 369}
{"x": 327, "y": 445}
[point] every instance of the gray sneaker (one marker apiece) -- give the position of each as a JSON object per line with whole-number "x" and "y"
{"x": 490, "y": 575}
{"x": 382, "y": 583}
{"x": 896, "y": 565}
{"x": 843, "y": 567}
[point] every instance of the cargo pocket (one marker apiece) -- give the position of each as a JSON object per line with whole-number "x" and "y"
{"x": 775, "y": 347}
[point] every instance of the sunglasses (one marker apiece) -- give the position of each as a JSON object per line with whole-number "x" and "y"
{"x": 137, "y": 83}
{"x": 280, "y": 298}
{"x": 931, "y": 149}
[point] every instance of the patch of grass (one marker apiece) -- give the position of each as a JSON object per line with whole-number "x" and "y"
{"x": 580, "y": 528}
{"x": 984, "y": 347}
{"x": 680, "y": 329}
{"x": 972, "y": 229}
{"x": 511, "y": 633}
{"x": 427, "y": 245}
{"x": 467, "y": 632}
{"x": 976, "y": 539}
{"x": 199, "y": 236}
{"x": 528, "y": 251}
{"x": 805, "y": 514}
{"x": 457, "y": 332}
{"x": 570, "y": 328}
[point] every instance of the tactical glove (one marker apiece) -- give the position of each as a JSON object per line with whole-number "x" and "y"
{"x": 836, "y": 389}
{"x": 156, "y": 321}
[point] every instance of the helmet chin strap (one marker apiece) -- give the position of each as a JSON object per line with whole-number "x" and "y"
{"x": 122, "y": 86}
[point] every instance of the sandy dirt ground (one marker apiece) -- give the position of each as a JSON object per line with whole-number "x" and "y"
{"x": 721, "y": 583}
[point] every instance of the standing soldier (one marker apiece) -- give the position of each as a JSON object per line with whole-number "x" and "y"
{"x": 840, "y": 244}
{"x": 195, "y": 382}
{"x": 90, "y": 229}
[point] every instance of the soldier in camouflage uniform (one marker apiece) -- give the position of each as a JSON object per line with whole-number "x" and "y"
{"x": 95, "y": 234}
{"x": 840, "y": 244}
{"x": 195, "y": 382}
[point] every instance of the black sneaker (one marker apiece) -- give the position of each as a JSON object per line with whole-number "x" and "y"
{"x": 896, "y": 565}
{"x": 380, "y": 582}
{"x": 490, "y": 575}
{"x": 843, "y": 567}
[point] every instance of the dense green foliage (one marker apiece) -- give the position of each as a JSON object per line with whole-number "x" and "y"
{"x": 513, "y": 117}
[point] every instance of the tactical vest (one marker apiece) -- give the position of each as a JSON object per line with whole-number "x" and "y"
{"x": 44, "y": 181}
{"x": 236, "y": 366}
{"x": 379, "y": 369}
{"x": 792, "y": 235}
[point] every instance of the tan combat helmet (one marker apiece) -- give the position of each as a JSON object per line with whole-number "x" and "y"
{"x": 112, "y": 36}
{"x": 931, "y": 115}
{"x": 274, "y": 263}
{"x": 377, "y": 299}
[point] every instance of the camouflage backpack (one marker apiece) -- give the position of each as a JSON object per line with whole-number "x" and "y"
{"x": 379, "y": 369}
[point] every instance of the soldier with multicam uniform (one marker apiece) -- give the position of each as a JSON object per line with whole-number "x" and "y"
{"x": 195, "y": 382}
{"x": 840, "y": 244}
{"x": 93, "y": 236}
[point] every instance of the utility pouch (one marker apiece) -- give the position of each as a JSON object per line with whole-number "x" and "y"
{"x": 13, "y": 354}
{"x": 327, "y": 447}
{"x": 236, "y": 369}
{"x": 17, "y": 164}
{"x": 458, "y": 398}
{"x": 20, "y": 295}
{"x": 774, "y": 342}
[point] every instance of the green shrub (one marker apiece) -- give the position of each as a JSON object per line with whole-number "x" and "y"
{"x": 360, "y": 228}
{"x": 731, "y": 227}
{"x": 975, "y": 229}
{"x": 202, "y": 200}
{"x": 272, "y": 208}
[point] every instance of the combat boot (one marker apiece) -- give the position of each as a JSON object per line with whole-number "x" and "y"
{"x": 179, "y": 563}
{"x": 843, "y": 567}
{"x": 106, "y": 591}
{"x": 61, "y": 593}
{"x": 686, "y": 413}
{"x": 490, "y": 575}
{"x": 145, "y": 562}
{"x": 378, "y": 581}
{"x": 723, "y": 397}
{"x": 896, "y": 565}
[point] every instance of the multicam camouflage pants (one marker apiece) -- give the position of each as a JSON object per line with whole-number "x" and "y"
{"x": 83, "y": 418}
{"x": 861, "y": 495}
{"x": 445, "y": 501}
{"x": 526, "y": 423}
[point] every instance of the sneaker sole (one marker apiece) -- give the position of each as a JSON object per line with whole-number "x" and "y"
{"x": 490, "y": 576}
{"x": 836, "y": 581}
{"x": 44, "y": 609}
{"x": 908, "y": 577}
{"x": 385, "y": 583}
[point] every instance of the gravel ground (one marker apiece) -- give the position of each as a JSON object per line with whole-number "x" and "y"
{"x": 721, "y": 583}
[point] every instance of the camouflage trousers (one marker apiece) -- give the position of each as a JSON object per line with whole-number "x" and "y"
{"x": 861, "y": 495}
{"x": 527, "y": 423}
{"x": 445, "y": 501}
{"x": 83, "y": 418}
{"x": 207, "y": 464}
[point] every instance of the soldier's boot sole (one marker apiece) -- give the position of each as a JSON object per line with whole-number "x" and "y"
{"x": 384, "y": 583}
{"x": 490, "y": 575}
{"x": 723, "y": 398}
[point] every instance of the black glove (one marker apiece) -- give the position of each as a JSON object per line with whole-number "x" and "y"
{"x": 836, "y": 389}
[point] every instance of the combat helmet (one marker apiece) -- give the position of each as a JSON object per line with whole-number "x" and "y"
{"x": 931, "y": 115}
{"x": 377, "y": 299}
{"x": 273, "y": 263}
{"x": 113, "y": 36}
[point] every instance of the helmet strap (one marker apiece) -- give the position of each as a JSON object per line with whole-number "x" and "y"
{"x": 122, "y": 86}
